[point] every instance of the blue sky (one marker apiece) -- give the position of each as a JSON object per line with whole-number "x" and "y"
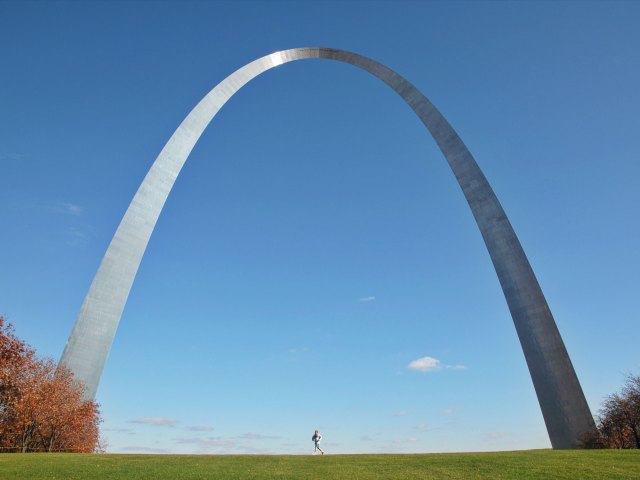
{"x": 316, "y": 242}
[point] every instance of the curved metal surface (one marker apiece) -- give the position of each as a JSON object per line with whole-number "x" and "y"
{"x": 564, "y": 408}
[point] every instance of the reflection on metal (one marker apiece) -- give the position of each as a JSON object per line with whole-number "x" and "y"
{"x": 561, "y": 399}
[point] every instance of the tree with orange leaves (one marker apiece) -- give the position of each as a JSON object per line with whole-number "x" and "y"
{"x": 65, "y": 421}
{"x": 41, "y": 406}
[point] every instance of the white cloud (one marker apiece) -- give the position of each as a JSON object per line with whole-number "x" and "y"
{"x": 157, "y": 421}
{"x": 430, "y": 364}
{"x": 450, "y": 411}
{"x": 367, "y": 299}
{"x": 402, "y": 413}
{"x": 425, "y": 364}
{"x": 421, "y": 427}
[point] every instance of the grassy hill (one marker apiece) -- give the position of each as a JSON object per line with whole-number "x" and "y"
{"x": 523, "y": 465}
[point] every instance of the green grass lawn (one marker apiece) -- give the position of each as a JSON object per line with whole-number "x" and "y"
{"x": 536, "y": 464}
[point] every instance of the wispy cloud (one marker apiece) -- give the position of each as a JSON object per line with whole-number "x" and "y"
{"x": 493, "y": 436}
{"x": 200, "y": 428}
{"x": 207, "y": 441}
{"x": 421, "y": 427}
{"x": 118, "y": 430}
{"x": 248, "y": 450}
{"x": 13, "y": 157}
{"x": 227, "y": 445}
{"x": 401, "y": 413}
{"x": 76, "y": 237}
{"x": 450, "y": 411}
{"x": 295, "y": 354}
{"x": 430, "y": 364}
{"x": 72, "y": 209}
{"x": 135, "y": 449}
{"x": 367, "y": 299}
{"x": 67, "y": 208}
{"x": 257, "y": 436}
{"x": 404, "y": 441}
{"x": 297, "y": 350}
{"x": 77, "y": 234}
{"x": 157, "y": 421}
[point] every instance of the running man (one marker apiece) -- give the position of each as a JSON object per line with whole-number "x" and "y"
{"x": 316, "y": 440}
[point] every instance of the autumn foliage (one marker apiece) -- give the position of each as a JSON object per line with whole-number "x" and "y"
{"x": 41, "y": 406}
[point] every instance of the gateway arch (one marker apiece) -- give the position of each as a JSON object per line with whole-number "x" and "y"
{"x": 564, "y": 407}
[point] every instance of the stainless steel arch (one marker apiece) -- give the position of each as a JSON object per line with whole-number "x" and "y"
{"x": 564, "y": 408}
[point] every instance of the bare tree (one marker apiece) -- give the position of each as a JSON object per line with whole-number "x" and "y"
{"x": 618, "y": 421}
{"x": 631, "y": 395}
